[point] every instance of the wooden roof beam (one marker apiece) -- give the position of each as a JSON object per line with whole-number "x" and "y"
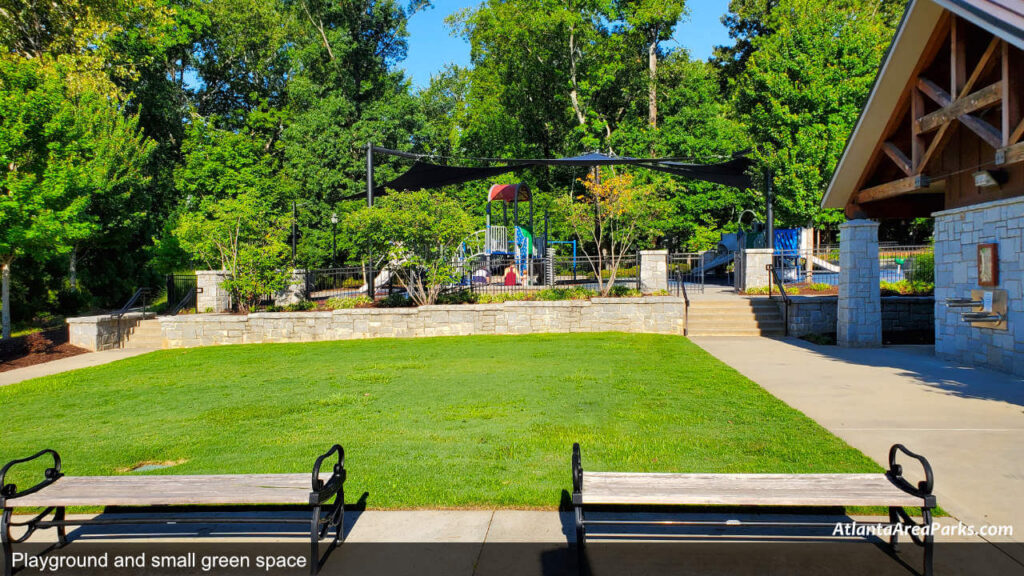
{"x": 898, "y": 157}
{"x": 983, "y": 98}
{"x": 917, "y": 184}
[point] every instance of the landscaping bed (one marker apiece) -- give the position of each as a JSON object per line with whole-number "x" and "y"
{"x": 37, "y": 348}
{"x": 482, "y": 421}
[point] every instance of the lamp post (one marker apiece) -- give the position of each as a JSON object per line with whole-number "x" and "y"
{"x": 334, "y": 238}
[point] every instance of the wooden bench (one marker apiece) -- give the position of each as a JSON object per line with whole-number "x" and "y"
{"x": 890, "y": 490}
{"x": 56, "y": 492}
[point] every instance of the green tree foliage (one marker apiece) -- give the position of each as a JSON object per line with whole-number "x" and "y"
{"x": 233, "y": 218}
{"x": 802, "y": 91}
{"x": 71, "y": 160}
{"x": 418, "y": 233}
{"x": 615, "y": 213}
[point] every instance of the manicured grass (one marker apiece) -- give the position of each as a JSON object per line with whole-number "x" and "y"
{"x": 439, "y": 422}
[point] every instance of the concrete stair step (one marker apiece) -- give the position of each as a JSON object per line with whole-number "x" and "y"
{"x": 734, "y": 332}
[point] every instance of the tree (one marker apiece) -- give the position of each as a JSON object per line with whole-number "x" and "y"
{"x": 235, "y": 218}
{"x": 71, "y": 160}
{"x": 419, "y": 234}
{"x": 802, "y": 91}
{"x": 614, "y": 216}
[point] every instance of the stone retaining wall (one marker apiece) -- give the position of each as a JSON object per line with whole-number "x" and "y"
{"x": 818, "y": 314}
{"x": 651, "y": 314}
{"x": 95, "y": 333}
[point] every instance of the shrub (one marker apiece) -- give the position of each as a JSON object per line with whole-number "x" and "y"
{"x": 763, "y": 290}
{"x": 907, "y": 288}
{"x": 457, "y": 297}
{"x": 348, "y": 303}
{"x": 37, "y": 343}
{"x": 499, "y": 297}
{"x": 574, "y": 293}
{"x": 397, "y": 300}
{"x": 623, "y": 292}
{"x": 300, "y": 306}
{"x": 662, "y": 292}
{"x": 922, "y": 268}
{"x": 819, "y": 287}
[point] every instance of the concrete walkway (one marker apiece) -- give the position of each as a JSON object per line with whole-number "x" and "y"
{"x": 968, "y": 422}
{"x": 65, "y": 364}
{"x": 526, "y": 543}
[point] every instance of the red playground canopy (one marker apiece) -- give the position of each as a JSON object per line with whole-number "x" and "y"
{"x": 508, "y": 192}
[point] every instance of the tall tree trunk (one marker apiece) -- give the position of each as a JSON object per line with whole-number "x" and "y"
{"x": 573, "y": 94}
{"x": 5, "y": 299}
{"x": 73, "y": 269}
{"x": 652, "y": 86}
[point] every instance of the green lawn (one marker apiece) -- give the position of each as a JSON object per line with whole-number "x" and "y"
{"x": 439, "y": 422}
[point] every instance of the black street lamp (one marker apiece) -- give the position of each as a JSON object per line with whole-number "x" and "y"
{"x": 334, "y": 239}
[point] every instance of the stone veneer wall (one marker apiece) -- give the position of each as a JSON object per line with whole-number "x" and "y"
{"x": 651, "y": 314}
{"x": 859, "y": 313}
{"x": 96, "y": 333}
{"x": 817, "y": 314}
{"x": 957, "y": 235}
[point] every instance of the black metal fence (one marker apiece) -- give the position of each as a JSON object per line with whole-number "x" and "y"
{"x": 182, "y": 290}
{"x": 821, "y": 265}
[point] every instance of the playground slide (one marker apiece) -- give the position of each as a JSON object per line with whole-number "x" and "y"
{"x": 383, "y": 277}
{"x": 824, "y": 264}
{"x": 718, "y": 260}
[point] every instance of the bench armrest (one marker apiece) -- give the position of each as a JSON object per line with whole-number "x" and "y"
{"x": 323, "y": 491}
{"x": 10, "y": 491}
{"x": 895, "y": 473}
{"x": 577, "y": 472}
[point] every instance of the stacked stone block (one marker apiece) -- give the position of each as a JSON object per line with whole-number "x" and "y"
{"x": 859, "y": 314}
{"x": 958, "y": 233}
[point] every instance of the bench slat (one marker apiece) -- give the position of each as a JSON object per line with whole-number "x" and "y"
{"x": 743, "y": 489}
{"x": 173, "y": 490}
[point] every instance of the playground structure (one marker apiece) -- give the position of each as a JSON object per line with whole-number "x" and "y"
{"x": 496, "y": 246}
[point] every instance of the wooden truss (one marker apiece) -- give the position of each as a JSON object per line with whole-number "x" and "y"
{"x": 959, "y": 99}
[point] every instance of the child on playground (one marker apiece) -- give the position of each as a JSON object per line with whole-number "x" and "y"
{"x": 512, "y": 276}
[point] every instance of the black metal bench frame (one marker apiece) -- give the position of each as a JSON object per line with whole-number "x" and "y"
{"x": 898, "y": 516}
{"x": 320, "y": 523}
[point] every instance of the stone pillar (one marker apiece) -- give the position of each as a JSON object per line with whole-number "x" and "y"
{"x": 653, "y": 270}
{"x": 295, "y": 292}
{"x": 212, "y": 297}
{"x": 754, "y": 262}
{"x": 859, "y": 316}
{"x": 549, "y": 267}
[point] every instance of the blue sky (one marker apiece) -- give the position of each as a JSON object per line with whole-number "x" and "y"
{"x": 431, "y": 46}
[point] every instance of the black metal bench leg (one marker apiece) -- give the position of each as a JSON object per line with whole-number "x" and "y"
{"x": 62, "y": 531}
{"x": 894, "y": 522}
{"x": 314, "y": 542}
{"x": 929, "y": 542}
{"x": 5, "y": 538}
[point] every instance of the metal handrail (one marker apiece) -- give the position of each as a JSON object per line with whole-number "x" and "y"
{"x": 140, "y": 293}
{"x": 774, "y": 278}
{"x": 188, "y": 300}
{"x": 686, "y": 310}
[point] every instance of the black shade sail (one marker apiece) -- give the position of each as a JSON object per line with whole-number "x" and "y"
{"x": 425, "y": 175}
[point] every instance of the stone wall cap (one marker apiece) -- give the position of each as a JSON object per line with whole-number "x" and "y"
{"x": 909, "y": 298}
{"x": 372, "y": 311}
{"x": 218, "y": 317}
{"x": 662, "y": 251}
{"x": 292, "y": 315}
{"x": 546, "y": 303}
{"x": 858, "y": 223}
{"x": 102, "y": 318}
{"x": 982, "y": 206}
{"x": 198, "y": 272}
{"x": 759, "y": 250}
{"x": 813, "y": 297}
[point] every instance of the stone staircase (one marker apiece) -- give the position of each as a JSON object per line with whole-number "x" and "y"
{"x": 740, "y": 316}
{"x": 146, "y": 335}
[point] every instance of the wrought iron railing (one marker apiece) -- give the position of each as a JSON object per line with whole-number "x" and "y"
{"x": 141, "y": 294}
{"x": 776, "y": 280}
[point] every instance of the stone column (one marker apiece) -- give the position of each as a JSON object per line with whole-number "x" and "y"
{"x": 212, "y": 296}
{"x": 859, "y": 316}
{"x": 295, "y": 292}
{"x": 653, "y": 270}
{"x": 755, "y": 263}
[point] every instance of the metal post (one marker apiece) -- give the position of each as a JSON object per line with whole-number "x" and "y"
{"x": 769, "y": 200}
{"x": 370, "y": 289}
{"x": 334, "y": 239}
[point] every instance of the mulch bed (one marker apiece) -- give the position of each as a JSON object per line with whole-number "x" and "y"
{"x": 14, "y": 353}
